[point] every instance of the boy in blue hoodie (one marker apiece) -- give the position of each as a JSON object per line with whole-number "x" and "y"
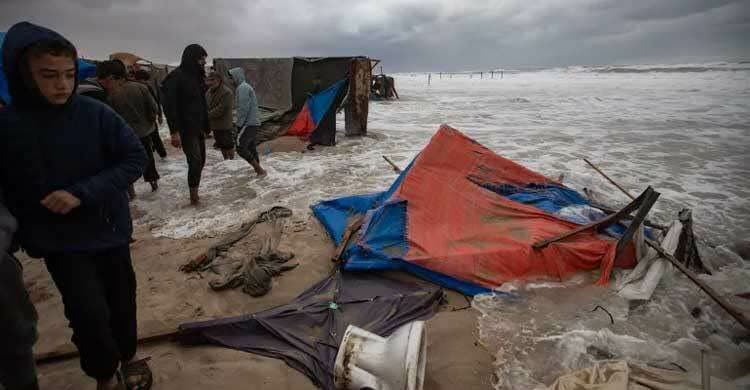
{"x": 65, "y": 164}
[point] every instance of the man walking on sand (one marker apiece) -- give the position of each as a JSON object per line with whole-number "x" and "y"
{"x": 248, "y": 120}
{"x": 65, "y": 164}
{"x": 187, "y": 114}
{"x": 134, "y": 103}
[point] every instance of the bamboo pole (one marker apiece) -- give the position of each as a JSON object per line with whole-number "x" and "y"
{"x": 737, "y": 315}
{"x": 393, "y": 164}
{"x": 624, "y": 191}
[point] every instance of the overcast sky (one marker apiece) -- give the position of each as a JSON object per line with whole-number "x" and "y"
{"x": 430, "y": 35}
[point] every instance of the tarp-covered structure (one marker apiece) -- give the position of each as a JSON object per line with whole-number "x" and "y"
{"x": 85, "y": 70}
{"x": 282, "y": 85}
{"x": 306, "y": 333}
{"x": 466, "y": 218}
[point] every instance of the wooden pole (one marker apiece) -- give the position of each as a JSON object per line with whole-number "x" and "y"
{"x": 69, "y": 352}
{"x": 393, "y": 164}
{"x": 705, "y": 369}
{"x": 740, "y": 317}
{"x": 624, "y": 191}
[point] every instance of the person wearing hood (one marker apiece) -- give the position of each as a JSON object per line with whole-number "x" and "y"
{"x": 66, "y": 164}
{"x": 144, "y": 78}
{"x": 134, "y": 103}
{"x": 248, "y": 120}
{"x": 187, "y": 114}
{"x": 220, "y": 101}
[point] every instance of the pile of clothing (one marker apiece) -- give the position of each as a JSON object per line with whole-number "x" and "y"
{"x": 252, "y": 263}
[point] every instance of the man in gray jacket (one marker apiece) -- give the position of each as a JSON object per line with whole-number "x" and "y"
{"x": 248, "y": 120}
{"x": 17, "y": 316}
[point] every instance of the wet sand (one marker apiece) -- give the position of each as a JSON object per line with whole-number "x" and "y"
{"x": 168, "y": 297}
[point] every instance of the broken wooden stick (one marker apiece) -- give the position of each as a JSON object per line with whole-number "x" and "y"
{"x": 624, "y": 191}
{"x": 740, "y": 317}
{"x": 68, "y": 351}
{"x": 348, "y": 233}
{"x": 643, "y": 203}
{"x": 393, "y": 164}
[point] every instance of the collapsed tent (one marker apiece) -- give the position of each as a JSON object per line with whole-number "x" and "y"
{"x": 282, "y": 86}
{"x": 306, "y": 333}
{"x": 317, "y": 119}
{"x": 85, "y": 70}
{"x": 467, "y": 219}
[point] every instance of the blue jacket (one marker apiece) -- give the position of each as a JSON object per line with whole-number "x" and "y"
{"x": 247, "y": 102}
{"x": 82, "y": 147}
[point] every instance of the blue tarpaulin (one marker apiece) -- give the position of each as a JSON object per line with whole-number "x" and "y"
{"x": 387, "y": 239}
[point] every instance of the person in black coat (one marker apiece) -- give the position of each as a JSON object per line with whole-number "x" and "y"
{"x": 65, "y": 164}
{"x": 184, "y": 91}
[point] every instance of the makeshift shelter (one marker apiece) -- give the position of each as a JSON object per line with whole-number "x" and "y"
{"x": 282, "y": 86}
{"x": 85, "y": 70}
{"x": 471, "y": 220}
{"x": 306, "y": 333}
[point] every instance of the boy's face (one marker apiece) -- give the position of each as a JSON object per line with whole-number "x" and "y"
{"x": 55, "y": 76}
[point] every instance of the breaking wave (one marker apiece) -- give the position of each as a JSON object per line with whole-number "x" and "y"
{"x": 680, "y": 68}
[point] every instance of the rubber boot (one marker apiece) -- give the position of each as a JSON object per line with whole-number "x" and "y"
{"x": 154, "y": 186}
{"x": 194, "y": 198}
{"x": 231, "y": 153}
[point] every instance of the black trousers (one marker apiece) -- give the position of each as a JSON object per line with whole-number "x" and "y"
{"x": 18, "y": 322}
{"x": 246, "y": 147}
{"x": 194, "y": 147}
{"x": 149, "y": 171}
{"x": 158, "y": 144}
{"x": 98, "y": 292}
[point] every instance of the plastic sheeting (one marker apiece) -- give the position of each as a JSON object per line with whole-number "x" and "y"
{"x": 622, "y": 375}
{"x": 317, "y": 107}
{"x": 445, "y": 220}
{"x": 641, "y": 282}
{"x": 306, "y": 333}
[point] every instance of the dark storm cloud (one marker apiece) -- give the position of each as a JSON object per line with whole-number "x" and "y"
{"x": 405, "y": 34}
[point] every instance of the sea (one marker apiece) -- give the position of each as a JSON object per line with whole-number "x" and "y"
{"x": 682, "y": 129}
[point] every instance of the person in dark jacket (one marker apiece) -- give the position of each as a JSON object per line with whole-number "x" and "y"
{"x": 17, "y": 315}
{"x": 220, "y": 100}
{"x": 66, "y": 161}
{"x": 134, "y": 103}
{"x": 187, "y": 115}
{"x": 144, "y": 78}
